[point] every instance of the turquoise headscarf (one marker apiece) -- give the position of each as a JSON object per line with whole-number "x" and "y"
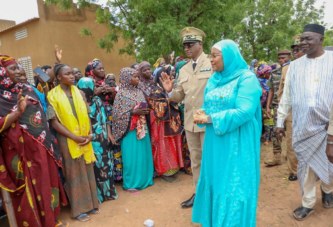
{"x": 86, "y": 84}
{"x": 234, "y": 64}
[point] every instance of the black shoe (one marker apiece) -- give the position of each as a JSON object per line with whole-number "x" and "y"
{"x": 188, "y": 203}
{"x": 292, "y": 177}
{"x": 327, "y": 199}
{"x": 302, "y": 213}
{"x": 2, "y": 214}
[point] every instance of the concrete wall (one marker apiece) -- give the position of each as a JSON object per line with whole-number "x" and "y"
{"x": 63, "y": 28}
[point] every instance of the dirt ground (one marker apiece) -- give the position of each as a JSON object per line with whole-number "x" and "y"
{"x": 278, "y": 197}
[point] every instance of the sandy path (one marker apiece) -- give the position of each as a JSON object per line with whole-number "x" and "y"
{"x": 278, "y": 198}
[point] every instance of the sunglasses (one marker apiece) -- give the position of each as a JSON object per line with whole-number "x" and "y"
{"x": 188, "y": 45}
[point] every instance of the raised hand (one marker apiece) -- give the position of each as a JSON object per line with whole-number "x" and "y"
{"x": 58, "y": 53}
{"x": 166, "y": 81}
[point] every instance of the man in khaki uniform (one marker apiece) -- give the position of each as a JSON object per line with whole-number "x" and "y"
{"x": 190, "y": 87}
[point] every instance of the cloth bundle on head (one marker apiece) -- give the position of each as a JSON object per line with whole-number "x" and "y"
{"x": 314, "y": 28}
{"x": 263, "y": 69}
{"x": 126, "y": 99}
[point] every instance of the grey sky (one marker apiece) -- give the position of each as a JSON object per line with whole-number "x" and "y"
{"x": 22, "y": 10}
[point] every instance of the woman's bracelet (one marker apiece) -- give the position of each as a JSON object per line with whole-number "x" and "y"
{"x": 329, "y": 142}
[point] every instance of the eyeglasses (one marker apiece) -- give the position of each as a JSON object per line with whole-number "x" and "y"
{"x": 188, "y": 45}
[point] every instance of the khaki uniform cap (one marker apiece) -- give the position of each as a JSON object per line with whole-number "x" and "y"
{"x": 192, "y": 34}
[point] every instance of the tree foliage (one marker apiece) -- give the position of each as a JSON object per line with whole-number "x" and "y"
{"x": 151, "y": 28}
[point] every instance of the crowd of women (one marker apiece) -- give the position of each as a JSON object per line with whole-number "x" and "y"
{"x": 70, "y": 139}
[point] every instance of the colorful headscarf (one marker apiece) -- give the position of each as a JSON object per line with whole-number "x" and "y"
{"x": 5, "y": 82}
{"x": 33, "y": 120}
{"x": 145, "y": 84}
{"x": 263, "y": 69}
{"x": 89, "y": 71}
{"x": 6, "y": 60}
{"x": 126, "y": 99}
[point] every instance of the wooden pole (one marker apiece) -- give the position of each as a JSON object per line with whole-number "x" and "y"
{"x": 7, "y": 201}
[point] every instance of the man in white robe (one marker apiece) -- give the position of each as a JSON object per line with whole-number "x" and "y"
{"x": 309, "y": 93}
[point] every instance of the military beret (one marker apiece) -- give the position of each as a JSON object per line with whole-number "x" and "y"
{"x": 284, "y": 52}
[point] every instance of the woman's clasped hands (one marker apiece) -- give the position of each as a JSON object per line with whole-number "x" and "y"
{"x": 200, "y": 117}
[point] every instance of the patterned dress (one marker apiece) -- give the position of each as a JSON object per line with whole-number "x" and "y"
{"x": 131, "y": 131}
{"x": 104, "y": 157}
{"x": 107, "y": 100}
{"x": 29, "y": 161}
{"x": 165, "y": 129}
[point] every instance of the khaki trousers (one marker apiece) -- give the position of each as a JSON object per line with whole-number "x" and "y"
{"x": 291, "y": 156}
{"x": 195, "y": 142}
{"x": 309, "y": 188}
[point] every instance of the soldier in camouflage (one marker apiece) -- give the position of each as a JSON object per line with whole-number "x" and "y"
{"x": 273, "y": 83}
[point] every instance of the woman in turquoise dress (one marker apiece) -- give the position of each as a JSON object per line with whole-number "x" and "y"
{"x": 103, "y": 167}
{"x": 129, "y": 128}
{"x": 227, "y": 191}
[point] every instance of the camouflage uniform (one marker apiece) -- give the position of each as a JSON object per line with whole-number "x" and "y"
{"x": 274, "y": 82}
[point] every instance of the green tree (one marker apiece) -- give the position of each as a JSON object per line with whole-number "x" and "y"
{"x": 328, "y": 39}
{"x": 151, "y": 28}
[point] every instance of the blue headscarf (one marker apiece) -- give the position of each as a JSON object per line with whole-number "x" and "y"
{"x": 234, "y": 65}
{"x": 86, "y": 84}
